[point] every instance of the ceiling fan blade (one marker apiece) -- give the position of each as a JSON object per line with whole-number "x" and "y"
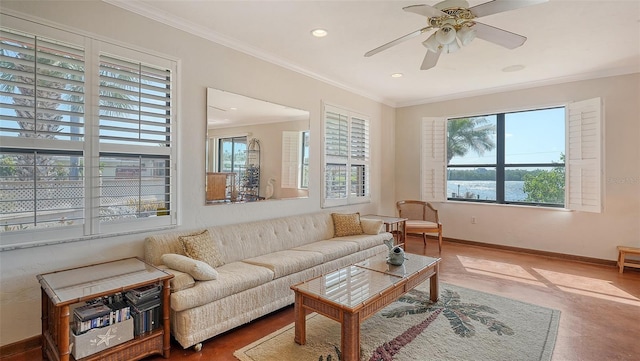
{"x": 396, "y": 42}
{"x": 424, "y": 10}
{"x": 430, "y": 59}
{"x": 498, "y": 36}
{"x": 498, "y": 6}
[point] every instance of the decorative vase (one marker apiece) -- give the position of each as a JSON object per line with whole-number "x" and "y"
{"x": 396, "y": 253}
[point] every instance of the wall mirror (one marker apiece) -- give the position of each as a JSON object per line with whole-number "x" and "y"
{"x": 255, "y": 150}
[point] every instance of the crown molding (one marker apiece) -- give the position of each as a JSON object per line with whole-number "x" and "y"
{"x": 523, "y": 86}
{"x": 232, "y": 43}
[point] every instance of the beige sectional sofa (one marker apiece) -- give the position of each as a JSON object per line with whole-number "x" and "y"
{"x": 253, "y": 266}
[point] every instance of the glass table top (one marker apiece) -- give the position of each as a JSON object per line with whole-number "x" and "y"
{"x": 353, "y": 285}
{"x": 414, "y": 263}
{"x": 349, "y": 286}
{"x": 73, "y": 285}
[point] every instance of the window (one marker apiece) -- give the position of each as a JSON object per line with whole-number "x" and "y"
{"x": 78, "y": 160}
{"x": 507, "y": 158}
{"x": 346, "y": 157}
{"x": 516, "y": 158}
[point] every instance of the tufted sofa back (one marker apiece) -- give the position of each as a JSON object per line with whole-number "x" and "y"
{"x": 236, "y": 242}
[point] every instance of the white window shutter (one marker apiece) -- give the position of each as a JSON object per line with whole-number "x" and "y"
{"x": 584, "y": 156}
{"x": 291, "y": 153}
{"x": 434, "y": 159}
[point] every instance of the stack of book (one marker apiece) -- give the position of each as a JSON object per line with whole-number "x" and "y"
{"x": 145, "y": 308}
{"x": 99, "y": 314}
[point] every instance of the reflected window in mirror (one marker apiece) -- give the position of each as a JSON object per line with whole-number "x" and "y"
{"x": 232, "y": 154}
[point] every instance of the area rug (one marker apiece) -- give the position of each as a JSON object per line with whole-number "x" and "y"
{"x": 463, "y": 325}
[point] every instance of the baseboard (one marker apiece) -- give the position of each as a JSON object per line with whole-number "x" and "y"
{"x": 564, "y": 256}
{"x": 20, "y": 347}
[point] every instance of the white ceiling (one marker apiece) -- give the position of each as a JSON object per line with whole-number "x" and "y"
{"x": 567, "y": 40}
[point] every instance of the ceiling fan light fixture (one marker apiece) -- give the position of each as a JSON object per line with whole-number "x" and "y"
{"x": 432, "y": 43}
{"x": 452, "y": 47}
{"x": 446, "y": 34}
{"x": 466, "y": 35}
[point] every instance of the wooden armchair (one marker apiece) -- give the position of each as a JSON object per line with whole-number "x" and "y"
{"x": 422, "y": 218}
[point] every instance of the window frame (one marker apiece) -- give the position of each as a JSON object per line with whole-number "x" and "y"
{"x": 91, "y": 148}
{"x": 501, "y": 166}
{"x": 584, "y": 145}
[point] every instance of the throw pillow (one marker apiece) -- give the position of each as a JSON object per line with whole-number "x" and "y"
{"x": 202, "y": 248}
{"x": 371, "y": 226}
{"x": 197, "y": 269}
{"x": 346, "y": 224}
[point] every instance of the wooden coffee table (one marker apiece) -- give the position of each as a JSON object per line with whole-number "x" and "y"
{"x": 352, "y": 294}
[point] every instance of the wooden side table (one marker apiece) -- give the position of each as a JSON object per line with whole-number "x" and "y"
{"x": 622, "y": 252}
{"x": 393, "y": 225}
{"x": 64, "y": 288}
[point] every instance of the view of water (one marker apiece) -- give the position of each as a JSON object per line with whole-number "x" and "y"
{"x": 486, "y": 190}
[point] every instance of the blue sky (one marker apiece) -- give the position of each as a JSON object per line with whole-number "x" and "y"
{"x": 531, "y": 137}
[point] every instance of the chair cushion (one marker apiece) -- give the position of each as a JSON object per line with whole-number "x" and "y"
{"x": 418, "y": 225}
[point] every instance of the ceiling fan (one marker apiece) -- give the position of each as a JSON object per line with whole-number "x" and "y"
{"x": 455, "y": 25}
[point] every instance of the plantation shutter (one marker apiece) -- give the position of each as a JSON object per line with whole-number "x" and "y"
{"x": 43, "y": 87}
{"x": 135, "y": 134}
{"x": 291, "y": 162}
{"x": 359, "y": 148}
{"x": 42, "y": 121}
{"x": 434, "y": 159}
{"x": 336, "y": 133}
{"x": 584, "y": 156}
{"x": 134, "y": 103}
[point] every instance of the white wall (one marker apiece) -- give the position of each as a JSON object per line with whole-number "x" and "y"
{"x": 574, "y": 233}
{"x": 202, "y": 64}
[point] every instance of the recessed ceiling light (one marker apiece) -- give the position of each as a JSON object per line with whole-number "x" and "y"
{"x": 397, "y": 75}
{"x": 319, "y": 33}
{"x": 513, "y": 68}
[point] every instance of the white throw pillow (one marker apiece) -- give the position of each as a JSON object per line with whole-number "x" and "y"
{"x": 197, "y": 269}
{"x": 371, "y": 226}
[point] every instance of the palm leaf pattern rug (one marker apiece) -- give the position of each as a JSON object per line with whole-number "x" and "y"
{"x": 463, "y": 325}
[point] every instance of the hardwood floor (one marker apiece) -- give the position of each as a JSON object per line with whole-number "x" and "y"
{"x": 600, "y": 307}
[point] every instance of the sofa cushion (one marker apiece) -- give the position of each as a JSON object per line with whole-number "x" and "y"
{"x": 201, "y": 247}
{"x": 286, "y": 262}
{"x": 330, "y": 250}
{"x": 232, "y": 278}
{"x": 365, "y": 241}
{"x": 197, "y": 269}
{"x": 346, "y": 224}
